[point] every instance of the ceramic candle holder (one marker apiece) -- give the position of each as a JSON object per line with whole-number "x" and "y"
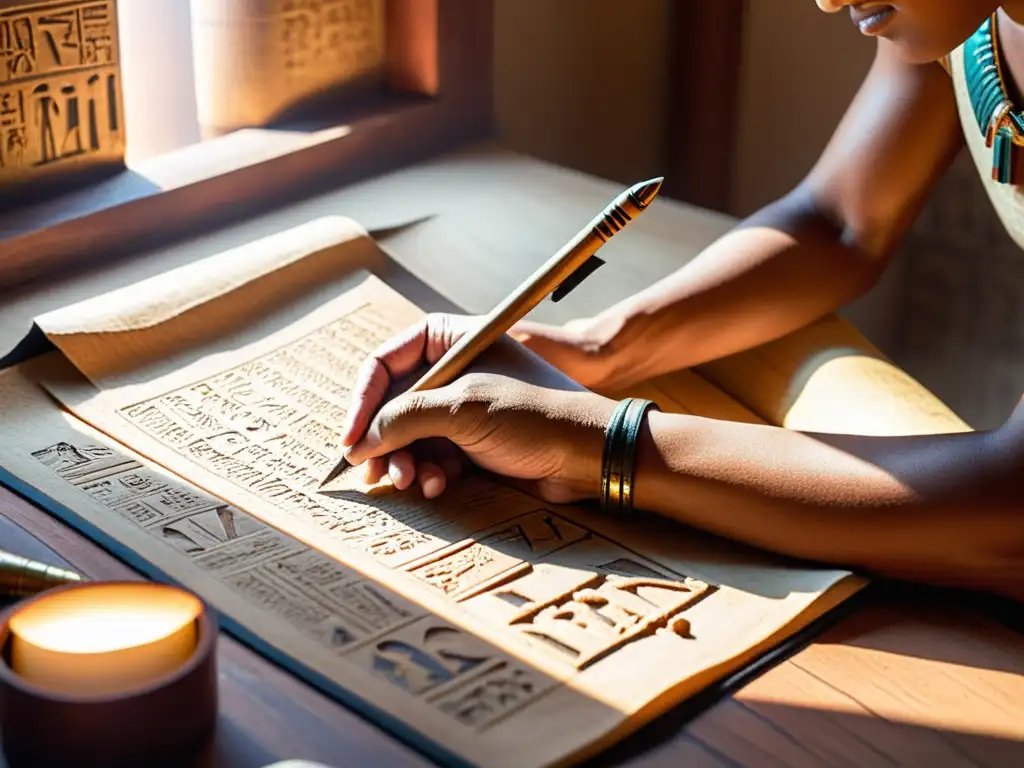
{"x": 107, "y": 673}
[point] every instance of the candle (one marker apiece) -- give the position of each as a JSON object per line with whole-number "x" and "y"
{"x": 103, "y": 639}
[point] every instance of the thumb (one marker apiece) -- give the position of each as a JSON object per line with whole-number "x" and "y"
{"x": 402, "y": 421}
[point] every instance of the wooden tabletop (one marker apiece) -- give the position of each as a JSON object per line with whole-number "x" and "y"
{"x": 918, "y": 679}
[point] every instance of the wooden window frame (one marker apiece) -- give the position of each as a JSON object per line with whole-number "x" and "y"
{"x": 440, "y": 61}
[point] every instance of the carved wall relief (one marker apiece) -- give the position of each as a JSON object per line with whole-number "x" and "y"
{"x": 60, "y": 88}
{"x": 255, "y": 59}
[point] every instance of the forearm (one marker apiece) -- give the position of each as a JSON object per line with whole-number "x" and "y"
{"x": 942, "y": 509}
{"x": 780, "y": 270}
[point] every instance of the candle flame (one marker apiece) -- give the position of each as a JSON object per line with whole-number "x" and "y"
{"x": 104, "y": 618}
{"x": 104, "y": 637}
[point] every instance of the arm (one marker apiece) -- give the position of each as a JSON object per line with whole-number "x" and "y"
{"x": 804, "y": 256}
{"x": 944, "y": 509}
{"x": 940, "y": 509}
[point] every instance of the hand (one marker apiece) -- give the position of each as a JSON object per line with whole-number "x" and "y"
{"x": 402, "y": 356}
{"x": 550, "y": 442}
{"x": 580, "y": 349}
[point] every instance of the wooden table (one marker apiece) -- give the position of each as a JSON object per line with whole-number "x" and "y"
{"x": 914, "y": 679}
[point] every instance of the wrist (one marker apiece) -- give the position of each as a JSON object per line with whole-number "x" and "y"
{"x": 583, "y": 446}
{"x": 652, "y": 483}
{"x": 617, "y": 338}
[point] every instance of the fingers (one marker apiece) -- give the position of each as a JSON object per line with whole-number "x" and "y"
{"x": 438, "y": 463}
{"x": 558, "y": 344}
{"x": 402, "y": 469}
{"x": 529, "y": 330}
{"x": 431, "y": 465}
{"x": 393, "y": 359}
{"x": 375, "y": 469}
{"x": 431, "y": 479}
{"x": 443, "y": 456}
{"x": 422, "y": 343}
{"x": 368, "y": 393}
{"x": 403, "y": 421}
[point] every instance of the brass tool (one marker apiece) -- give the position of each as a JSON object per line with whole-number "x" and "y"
{"x": 22, "y": 577}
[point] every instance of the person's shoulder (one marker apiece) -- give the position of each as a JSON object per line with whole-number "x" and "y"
{"x": 944, "y": 63}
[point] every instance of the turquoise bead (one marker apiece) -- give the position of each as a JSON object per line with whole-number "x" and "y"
{"x": 1002, "y": 156}
{"x": 987, "y": 93}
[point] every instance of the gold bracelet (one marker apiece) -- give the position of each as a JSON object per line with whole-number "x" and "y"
{"x": 609, "y": 459}
{"x": 618, "y": 469}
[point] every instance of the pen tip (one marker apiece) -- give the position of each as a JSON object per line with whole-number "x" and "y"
{"x": 340, "y": 467}
{"x": 646, "y": 191}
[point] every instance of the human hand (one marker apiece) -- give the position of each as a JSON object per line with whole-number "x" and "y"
{"x": 548, "y": 441}
{"x": 581, "y": 349}
{"x": 432, "y": 463}
{"x": 417, "y": 347}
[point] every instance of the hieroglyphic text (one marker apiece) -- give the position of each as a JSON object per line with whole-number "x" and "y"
{"x": 448, "y": 669}
{"x": 590, "y": 599}
{"x": 473, "y": 566}
{"x": 60, "y": 90}
{"x": 495, "y": 694}
{"x": 469, "y": 567}
{"x": 596, "y": 620}
{"x": 329, "y": 39}
{"x": 39, "y": 39}
{"x": 275, "y": 573}
{"x": 271, "y": 426}
{"x": 459, "y": 673}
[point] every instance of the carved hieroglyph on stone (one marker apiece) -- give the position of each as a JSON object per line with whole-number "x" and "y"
{"x": 256, "y": 58}
{"x": 60, "y": 88}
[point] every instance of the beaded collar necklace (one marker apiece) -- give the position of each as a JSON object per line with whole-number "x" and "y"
{"x": 999, "y": 120}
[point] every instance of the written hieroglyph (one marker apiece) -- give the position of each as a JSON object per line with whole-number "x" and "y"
{"x": 288, "y": 580}
{"x": 271, "y": 427}
{"x": 499, "y": 629}
{"x": 60, "y": 89}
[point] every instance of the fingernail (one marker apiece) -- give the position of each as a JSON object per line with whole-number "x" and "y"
{"x": 346, "y": 429}
{"x": 432, "y": 487}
